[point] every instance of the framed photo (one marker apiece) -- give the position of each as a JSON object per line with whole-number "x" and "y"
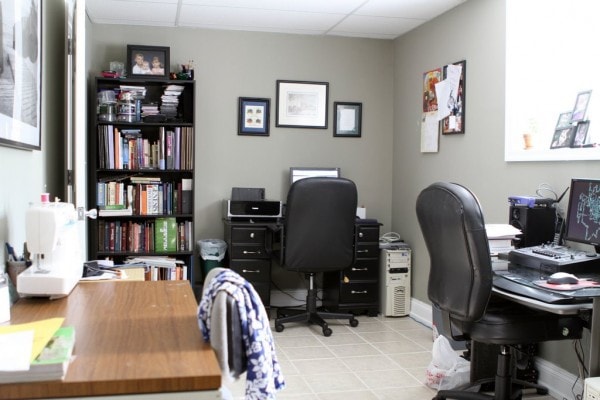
{"x": 20, "y": 56}
{"x": 302, "y": 104}
{"x": 581, "y": 103}
{"x": 580, "y": 138}
{"x": 564, "y": 120}
{"x": 430, "y": 79}
{"x": 455, "y": 122}
{"x": 348, "y": 119}
{"x": 147, "y": 61}
{"x": 562, "y": 138}
{"x": 253, "y": 116}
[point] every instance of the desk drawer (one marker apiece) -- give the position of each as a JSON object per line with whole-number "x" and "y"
{"x": 253, "y": 270}
{"x": 248, "y": 251}
{"x": 362, "y": 270}
{"x": 367, "y": 233}
{"x": 248, "y": 235}
{"x": 359, "y": 292}
{"x": 367, "y": 250}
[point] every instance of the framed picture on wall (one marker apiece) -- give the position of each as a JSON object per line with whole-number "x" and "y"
{"x": 562, "y": 138}
{"x": 348, "y": 119}
{"x": 20, "y": 100}
{"x": 581, "y": 104}
{"x": 147, "y": 61}
{"x": 580, "y": 138}
{"x": 302, "y": 104}
{"x": 253, "y": 116}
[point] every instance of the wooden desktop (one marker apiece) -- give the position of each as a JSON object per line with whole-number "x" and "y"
{"x": 133, "y": 339}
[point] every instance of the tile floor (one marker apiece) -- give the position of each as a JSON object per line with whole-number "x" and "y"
{"x": 382, "y": 358}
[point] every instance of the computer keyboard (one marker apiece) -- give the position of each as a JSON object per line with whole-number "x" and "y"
{"x": 547, "y": 253}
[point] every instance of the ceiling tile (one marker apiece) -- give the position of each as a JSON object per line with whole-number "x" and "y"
{"x": 160, "y": 13}
{"x": 313, "y": 6}
{"x": 376, "y": 26}
{"x": 419, "y": 9}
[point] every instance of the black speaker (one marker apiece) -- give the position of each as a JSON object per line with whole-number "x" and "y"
{"x": 537, "y": 224}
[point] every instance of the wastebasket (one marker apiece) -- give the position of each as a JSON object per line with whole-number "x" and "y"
{"x": 212, "y": 252}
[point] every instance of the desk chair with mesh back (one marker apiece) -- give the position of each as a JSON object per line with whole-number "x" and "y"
{"x": 318, "y": 236}
{"x": 460, "y": 284}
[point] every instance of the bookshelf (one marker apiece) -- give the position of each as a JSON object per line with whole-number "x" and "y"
{"x": 141, "y": 174}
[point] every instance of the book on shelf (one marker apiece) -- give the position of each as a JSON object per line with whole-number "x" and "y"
{"x": 51, "y": 364}
{"x": 186, "y": 195}
{"x": 165, "y": 234}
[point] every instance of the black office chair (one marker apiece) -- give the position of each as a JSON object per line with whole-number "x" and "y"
{"x": 318, "y": 236}
{"x": 460, "y": 284}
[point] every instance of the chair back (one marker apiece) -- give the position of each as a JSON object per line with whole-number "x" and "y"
{"x": 319, "y": 225}
{"x": 460, "y": 275}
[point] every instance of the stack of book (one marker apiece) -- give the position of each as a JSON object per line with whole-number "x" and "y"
{"x": 500, "y": 239}
{"x": 170, "y": 101}
{"x": 53, "y": 360}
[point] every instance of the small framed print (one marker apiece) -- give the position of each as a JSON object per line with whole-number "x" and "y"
{"x": 564, "y": 120}
{"x": 348, "y": 119}
{"x": 581, "y": 104}
{"x": 147, "y": 61}
{"x": 562, "y": 138}
{"x": 253, "y": 117}
{"x": 455, "y": 122}
{"x": 580, "y": 138}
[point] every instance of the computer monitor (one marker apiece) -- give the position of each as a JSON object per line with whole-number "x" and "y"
{"x": 297, "y": 173}
{"x": 583, "y": 212}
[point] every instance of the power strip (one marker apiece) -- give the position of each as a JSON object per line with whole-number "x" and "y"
{"x": 591, "y": 389}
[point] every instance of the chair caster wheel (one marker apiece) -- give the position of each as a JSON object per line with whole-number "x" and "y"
{"x": 327, "y": 332}
{"x": 353, "y": 323}
{"x": 279, "y": 327}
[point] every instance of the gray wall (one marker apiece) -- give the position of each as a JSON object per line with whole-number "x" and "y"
{"x": 26, "y": 174}
{"x": 233, "y": 64}
{"x": 475, "y": 32}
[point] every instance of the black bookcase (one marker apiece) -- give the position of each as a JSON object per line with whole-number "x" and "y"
{"x": 141, "y": 173}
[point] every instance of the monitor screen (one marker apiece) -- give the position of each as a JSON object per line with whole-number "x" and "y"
{"x": 583, "y": 212}
{"x": 297, "y": 173}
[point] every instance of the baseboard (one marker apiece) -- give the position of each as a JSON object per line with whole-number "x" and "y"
{"x": 558, "y": 381}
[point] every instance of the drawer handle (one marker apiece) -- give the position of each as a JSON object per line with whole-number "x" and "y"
{"x": 251, "y": 252}
{"x": 362, "y": 251}
{"x": 359, "y": 269}
{"x": 360, "y": 234}
{"x": 251, "y": 271}
{"x": 359, "y": 292}
{"x": 252, "y": 235}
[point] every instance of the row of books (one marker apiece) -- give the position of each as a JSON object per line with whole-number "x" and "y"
{"x": 128, "y": 149}
{"x": 159, "y": 235}
{"x": 161, "y": 268}
{"x": 144, "y": 196}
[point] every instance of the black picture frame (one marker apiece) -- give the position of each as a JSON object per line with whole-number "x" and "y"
{"x": 455, "y": 122}
{"x": 581, "y": 103}
{"x": 562, "y": 137}
{"x": 253, "y": 116}
{"x": 302, "y": 104}
{"x": 580, "y": 137}
{"x": 156, "y": 57}
{"x": 564, "y": 120}
{"x": 348, "y": 119}
{"x": 20, "y": 126}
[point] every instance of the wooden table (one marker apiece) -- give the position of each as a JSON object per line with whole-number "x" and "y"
{"x": 134, "y": 339}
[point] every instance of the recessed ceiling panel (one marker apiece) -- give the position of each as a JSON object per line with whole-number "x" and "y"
{"x": 418, "y": 9}
{"x": 158, "y": 13}
{"x": 314, "y": 6}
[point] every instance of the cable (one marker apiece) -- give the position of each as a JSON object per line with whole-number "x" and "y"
{"x": 544, "y": 187}
{"x": 390, "y": 237}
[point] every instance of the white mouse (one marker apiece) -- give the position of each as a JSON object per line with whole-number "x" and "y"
{"x": 560, "y": 278}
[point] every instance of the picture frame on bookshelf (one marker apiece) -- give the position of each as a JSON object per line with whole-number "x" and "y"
{"x": 580, "y": 107}
{"x": 148, "y": 62}
{"x": 562, "y": 138}
{"x": 253, "y": 116}
{"x": 580, "y": 138}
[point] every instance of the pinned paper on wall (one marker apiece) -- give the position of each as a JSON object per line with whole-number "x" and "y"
{"x": 429, "y": 133}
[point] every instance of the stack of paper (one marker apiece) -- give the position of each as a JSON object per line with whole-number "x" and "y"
{"x": 37, "y": 351}
{"x": 500, "y": 237}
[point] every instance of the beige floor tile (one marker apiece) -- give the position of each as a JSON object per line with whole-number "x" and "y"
{"x": 321, "y": 366}
{"x": 307, "y": 353}
{"x": 358, "y": 395}
{"x": 369, "y": 363}
{"x": 335, "y": 382}
{"x": 412, "y": 360}
{"x": 393, "y": 378}
{"x": 350, "y": 350}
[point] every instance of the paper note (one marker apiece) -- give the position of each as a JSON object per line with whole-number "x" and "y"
{"x": 429, "y": 133}
{"x": 16, "y": 348}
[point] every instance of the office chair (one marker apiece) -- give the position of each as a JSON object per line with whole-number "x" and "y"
{"x": 460, "y": 284}
{"x": 318, "y": 236}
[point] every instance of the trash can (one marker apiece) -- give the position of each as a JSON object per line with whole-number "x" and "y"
{"x": 212, "y": 252}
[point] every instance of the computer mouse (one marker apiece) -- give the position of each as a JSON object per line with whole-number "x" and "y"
{"x": 560, "y": 278}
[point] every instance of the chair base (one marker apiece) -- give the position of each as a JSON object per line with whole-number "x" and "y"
{"x": 505, "y": 388}
{"x": 311, "y": 315}
{"x": 317, "y": 318}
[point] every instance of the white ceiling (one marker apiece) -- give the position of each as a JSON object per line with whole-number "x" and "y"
{"x": 378, "y": 19}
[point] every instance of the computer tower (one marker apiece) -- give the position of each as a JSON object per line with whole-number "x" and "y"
{"x": 395, "y": 264}
{"x": 537, "y": 224}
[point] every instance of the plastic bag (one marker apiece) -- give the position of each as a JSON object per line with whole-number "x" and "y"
{"x": 447, "y": 370}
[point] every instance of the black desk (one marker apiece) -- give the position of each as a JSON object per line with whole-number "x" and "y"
{"x": 583, "y": 302}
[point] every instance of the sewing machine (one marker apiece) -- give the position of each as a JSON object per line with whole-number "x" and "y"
{"x": 57, "y": 261}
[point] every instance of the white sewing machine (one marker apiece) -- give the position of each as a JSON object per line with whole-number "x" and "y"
{"x": 57, "y": 261}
